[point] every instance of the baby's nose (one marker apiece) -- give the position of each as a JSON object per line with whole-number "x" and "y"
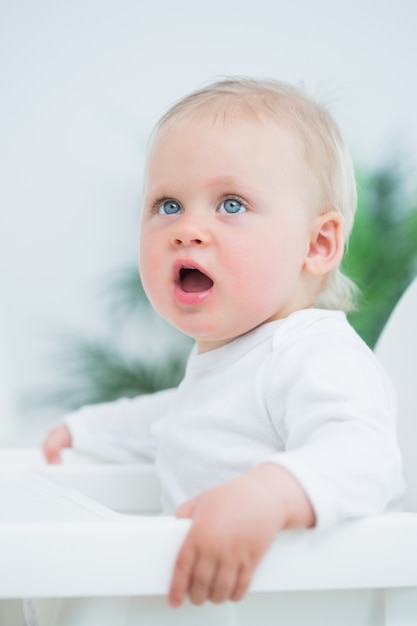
{"x": 188, "y": 233}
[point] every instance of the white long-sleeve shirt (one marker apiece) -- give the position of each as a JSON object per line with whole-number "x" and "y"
{"x": 304, "y": 392}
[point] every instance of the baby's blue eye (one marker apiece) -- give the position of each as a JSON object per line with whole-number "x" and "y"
{"x": 169, "y": 207}
{"x": 231, "y": 206}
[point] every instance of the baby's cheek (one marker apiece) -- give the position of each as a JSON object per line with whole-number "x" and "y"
{"x": 149, "y": 277}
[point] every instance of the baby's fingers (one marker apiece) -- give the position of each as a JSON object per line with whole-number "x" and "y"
{"x": 224, "y": 583}
{"x": 181, "y": 578}
{"x": 202, "y": 579}
{"x": 243, "y": 581}
{"x": 58, "y": 438}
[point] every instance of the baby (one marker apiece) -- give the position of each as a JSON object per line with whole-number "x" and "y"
{"x": 284, "y": 418}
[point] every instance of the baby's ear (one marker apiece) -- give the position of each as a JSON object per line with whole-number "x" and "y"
{"x": 326, "y": 244}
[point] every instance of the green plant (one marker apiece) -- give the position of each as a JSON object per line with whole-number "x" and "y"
{"x": 382, "y": 253}
{"x": 96, "y": 372}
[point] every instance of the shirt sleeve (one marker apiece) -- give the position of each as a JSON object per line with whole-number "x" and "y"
{"x": 119, "y": 431}
{"x": 335, "y": 409}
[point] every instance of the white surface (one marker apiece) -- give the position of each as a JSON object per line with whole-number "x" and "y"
{"x": 43, "y": 523}
{"x": 71, "y": 546}
{"x": 82, "y": 565}
{"x": 124, "y": 488}
{"x": 397, "y": 350}
{"x": 33, "y": 501}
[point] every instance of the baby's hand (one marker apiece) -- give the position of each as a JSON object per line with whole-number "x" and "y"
{"x": 57, "y": 438}
{"x": 233, "y": 526}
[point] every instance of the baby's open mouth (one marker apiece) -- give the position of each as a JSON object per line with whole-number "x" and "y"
{"x": 194, "y": 281}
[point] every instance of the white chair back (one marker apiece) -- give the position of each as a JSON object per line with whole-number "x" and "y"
{"x": 397, "y": 350}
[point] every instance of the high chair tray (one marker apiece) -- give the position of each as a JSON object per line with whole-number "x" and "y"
{"x": 56, "y": 542}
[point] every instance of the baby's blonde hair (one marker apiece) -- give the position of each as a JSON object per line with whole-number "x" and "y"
{"x": 325, "y": 150}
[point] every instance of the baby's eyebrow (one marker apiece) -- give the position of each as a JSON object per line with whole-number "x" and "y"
{"x": 227, "y": 180}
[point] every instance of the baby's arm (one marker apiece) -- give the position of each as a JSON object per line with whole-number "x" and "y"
{"x": 117, "y": 431}
{"x": 233, "y": 526}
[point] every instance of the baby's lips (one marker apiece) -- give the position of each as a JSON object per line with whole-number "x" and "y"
{"x": 192, "y": 284}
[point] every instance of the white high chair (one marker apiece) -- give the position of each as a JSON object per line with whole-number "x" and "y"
{"x": 70, "y": 546}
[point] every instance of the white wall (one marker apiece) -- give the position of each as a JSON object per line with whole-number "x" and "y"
{"x": 83, "y": 81}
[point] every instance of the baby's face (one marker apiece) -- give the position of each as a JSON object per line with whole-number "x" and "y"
{"x": 227, "y": 217}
